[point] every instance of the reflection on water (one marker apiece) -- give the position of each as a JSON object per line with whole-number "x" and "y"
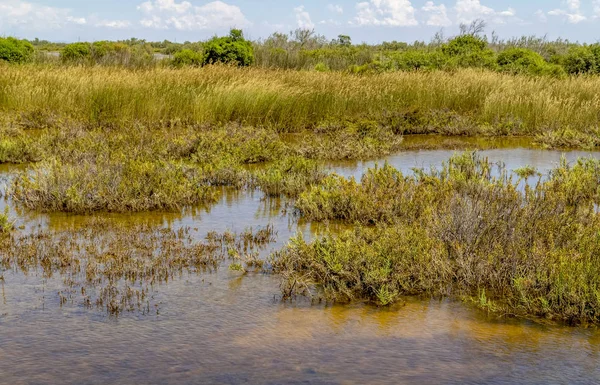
{"x": 542, "y": 160}
{"x": 227, "y": 328}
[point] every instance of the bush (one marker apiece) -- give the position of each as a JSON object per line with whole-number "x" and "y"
{"x": 103, "y": 49}
{"x": 321, "y": 67}
{"x": 469, "y": 51}
{"x": 232, "y": 49}
{"x": 524, "y": 61}
{"x": 464, "y": 45}
{"x": 15, "y": 51}
{"x": 187, "y": 57}
{"x": 76, "y": 52}
{"x": 417, "y": 59}
{"x": 580, "y": 60}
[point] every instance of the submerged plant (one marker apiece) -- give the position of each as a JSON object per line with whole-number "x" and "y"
{"x": 117, "y": 267}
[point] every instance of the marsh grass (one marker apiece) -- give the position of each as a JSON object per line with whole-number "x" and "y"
{"x": 7, "y": 224}
{"x": 141, "y": 168}
{"x": 17, "y": 147}
{"x": 110, "y": 185}
{"x": 460, "y": 231}
{"x": 465, "y": 102}
{"x": 117, "y": 268}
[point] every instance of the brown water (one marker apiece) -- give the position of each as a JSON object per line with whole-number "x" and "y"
{"x": 228, "y": 328}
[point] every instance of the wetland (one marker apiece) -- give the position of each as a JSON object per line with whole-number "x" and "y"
{"x": 207, "y": 225}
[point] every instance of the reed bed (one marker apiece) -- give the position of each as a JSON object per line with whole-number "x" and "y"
{"x": 470, "y": 230}
{"x": 466, "y": 101}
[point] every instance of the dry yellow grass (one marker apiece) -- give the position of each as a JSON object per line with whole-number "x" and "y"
{"x": 465, "y": 102}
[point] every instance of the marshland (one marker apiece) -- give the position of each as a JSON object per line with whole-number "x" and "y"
{"x": 204, "y": 216}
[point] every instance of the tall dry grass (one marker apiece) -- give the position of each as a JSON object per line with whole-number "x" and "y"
{"x": 464, "y": 102}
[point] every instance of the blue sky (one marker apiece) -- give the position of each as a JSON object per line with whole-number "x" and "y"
{"x": 363, "y": 20}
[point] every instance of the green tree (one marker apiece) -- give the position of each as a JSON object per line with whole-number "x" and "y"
{"x": 344, "y": 40}
{"x": 232, "y": 49}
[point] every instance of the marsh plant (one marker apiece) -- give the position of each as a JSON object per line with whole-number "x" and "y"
{"x": 117, "y": 267}
{"x": 467, "y": 102}
{"x": 460, "y": 231}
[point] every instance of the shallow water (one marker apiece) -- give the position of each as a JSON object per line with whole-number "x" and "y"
{"x": 224, "y": 327}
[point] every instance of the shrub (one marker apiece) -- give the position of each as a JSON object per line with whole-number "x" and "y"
{"x": 417, "y": 59}
{"x": 232, "y": 49}
{"x": 76, "y": 52}
{"x": 187, "y": 57}
{"x": 580, "y": 60}
{"x": 469, "y": 51}
{"x": 321, "y": 67}
{"x": 15, "y": 51}
{"x": 524, "y": 61}
{"x": 102, "y": 49}
{"x": 464, "y": 45}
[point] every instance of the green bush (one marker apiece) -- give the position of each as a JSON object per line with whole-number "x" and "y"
{"x": 102, "y": 49}
{"x": 187, "y": 57}
{"x": 580, "y": 60}
{"x": 76, "y": 52}
{"x": 524, "y": 61}
{"x": 232, "y": 49}
{"x": 469, "y": 51}
{"x": 321, "y": 67}
{"x": 416, "y": 60}
{"x": 15, "y": 51}
{"x": 464, "y": 45}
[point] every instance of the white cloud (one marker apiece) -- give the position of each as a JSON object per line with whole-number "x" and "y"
{"x": 572, "y": 14}
{"x": 573, "y": 5}
{"x": 335, "y": 8}
{"x": 573, "y": 18}
{"x": 77, "y": 20}
{"x": 303, "y": 18}
{"x": 438, "y": 15}
{"x": 510, "y": 12}
{"x": 22, "y": 14}
{"x": 394, "y": 13}
{"x": 469, "y": 10}
{"x": 114, "y": 24}
{"x": 541, "y": 15}
{"x": 330, "y": 22}
{"x": 184, "y": 16}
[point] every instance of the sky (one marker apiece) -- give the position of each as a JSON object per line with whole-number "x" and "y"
{"x": 368, "y": 21}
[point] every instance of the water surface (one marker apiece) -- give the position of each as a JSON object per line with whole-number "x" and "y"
{"x": 229, "y": 328}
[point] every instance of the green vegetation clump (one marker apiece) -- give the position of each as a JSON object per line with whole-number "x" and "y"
{"x": 469, "y": 51}
{"x": 76, "y": 52}
{"x": 232, "y": 49}
{"x": 18, "y": 147}
{"x": 187, "y": 57}
{"x": 524, "y": 61}
{"x": 461, "y": 231}
{"x": 582, "y": 60}
{"x": 7, "y": 224}
{"x": 289, "y": 176}
{"x": 110, "y": 185}
{"x": 15, "y": 51}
